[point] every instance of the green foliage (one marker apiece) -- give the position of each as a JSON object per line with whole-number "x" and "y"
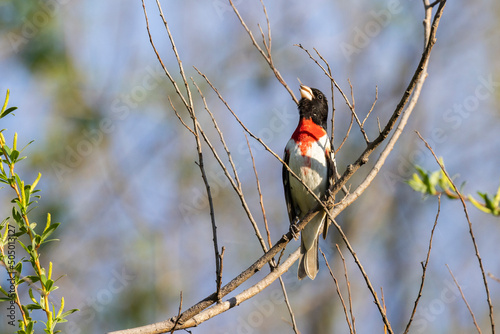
{"x": 16, "y": 227}
{"x": 435, "y": 183}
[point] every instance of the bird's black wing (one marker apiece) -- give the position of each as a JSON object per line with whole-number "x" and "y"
{"x": 286, "y": 186}
{"x": 331, "y": 174}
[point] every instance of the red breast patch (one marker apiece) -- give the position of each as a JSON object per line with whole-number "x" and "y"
{"x": 306, "y": 134}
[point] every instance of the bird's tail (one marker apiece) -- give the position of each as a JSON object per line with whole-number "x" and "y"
{"x": 308, "y": 264}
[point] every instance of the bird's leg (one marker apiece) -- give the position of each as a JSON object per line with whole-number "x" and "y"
{"x": 294, "y": 229}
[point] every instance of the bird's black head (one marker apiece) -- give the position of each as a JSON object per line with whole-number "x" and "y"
{"x": 313, "y": 105}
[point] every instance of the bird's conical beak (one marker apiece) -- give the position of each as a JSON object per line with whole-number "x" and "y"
{"x": 306, "y": 92}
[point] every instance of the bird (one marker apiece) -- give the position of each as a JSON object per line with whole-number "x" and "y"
{"x": 308, "y": 154}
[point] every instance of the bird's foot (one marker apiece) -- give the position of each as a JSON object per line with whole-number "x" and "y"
{"x": 294, "y": 230}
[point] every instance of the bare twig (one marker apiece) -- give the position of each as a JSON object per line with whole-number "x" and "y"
{"x": 348, "y": 284}
{"x": 493, "y": 277}
{"x": 267, "y": 55}
{"x": 219, "y": 275}
{"x": 179, "y": 117}
{"x": 190, "y": 108}
{"x": 361, "y": 128}
{"x": 174, "y": 49}
{"x": 471, "y": 232}
{"x": 371, "y": 108}
{"x": 261, "y": 200}
{"x": 178, "y": 314}
{"x": 289, "y": 306}
{"x": 465, "y": 301}
{"x": 424, "y": 268}
{"x": 283, "y": 288}
{"x": 172, "y": 80}
{"x": 385, "y": 308}
{"x": 235, "y": 183}
{"x": 347, "y": 134}
{"x": 346, "y": 99}
{"x": 338, "y": 293}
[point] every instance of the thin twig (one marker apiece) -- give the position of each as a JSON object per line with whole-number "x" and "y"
{"x": 268, "y": 56}
{"x": 371, "y": 109}
{"x": 273, "y": 263}
{"x": 289, "y": 307}
{"x": 219, "y": 276}
{"x": 471, "y": 232}
{"x": 261, "y": 200}
{"x": 190, "y": 108}
{"x": 347, "y": 134}
{"x": 351, "y": 107}
{"x": 348, "y": 284}
{"x": 385, "y": 308}
{"x": 424, "y": 267}
{"x": 236, "y": 184}
{"x": 465, "y": 301}
{"x": 338, "y": 293}
{"x": 179, "y": 117}
{"x": 170, "y": 77}
{"x": 178, "y": 314}
{"x": 174, "y": 49}
{"x": 332, "y": 91}
{"x": 493, "y": 277}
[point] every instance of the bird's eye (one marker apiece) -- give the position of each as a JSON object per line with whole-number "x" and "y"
{"x": 320, "y": 97}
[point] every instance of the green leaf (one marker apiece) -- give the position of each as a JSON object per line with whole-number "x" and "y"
{"x": 33, "y": 186}
{"x": 30, "y": 292}
{"x": 48, "y": 285}
{"x": 33, "y": 307}
{"x": 8, "y": 111}
{"x": 29, "y": 328}
{"x": 33, "y": 278}
{"x": 49, "y": 230}
{"x": 43, "y": 279}
{"x": 65, "y": 314}
{"x": 416, "y": 183}
{"x": 434, "y": 181}
{"x": 14, "y": 155}
{"x": 19, "y": 267}
{"x": 25, "y": 148}
{"x": 24, "y": 246}
{"x": 4, "y": 112}
{"x": 4, "y": 292}
{"x": 479, "y": 205}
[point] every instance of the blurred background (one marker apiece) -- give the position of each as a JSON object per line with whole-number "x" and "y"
{"x": 119, "y": 169}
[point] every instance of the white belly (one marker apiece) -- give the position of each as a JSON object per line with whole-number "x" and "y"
{"x": 312, "y": 169}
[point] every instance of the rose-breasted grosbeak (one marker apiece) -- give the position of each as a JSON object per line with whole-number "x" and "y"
{"x": 309, "y": 156}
